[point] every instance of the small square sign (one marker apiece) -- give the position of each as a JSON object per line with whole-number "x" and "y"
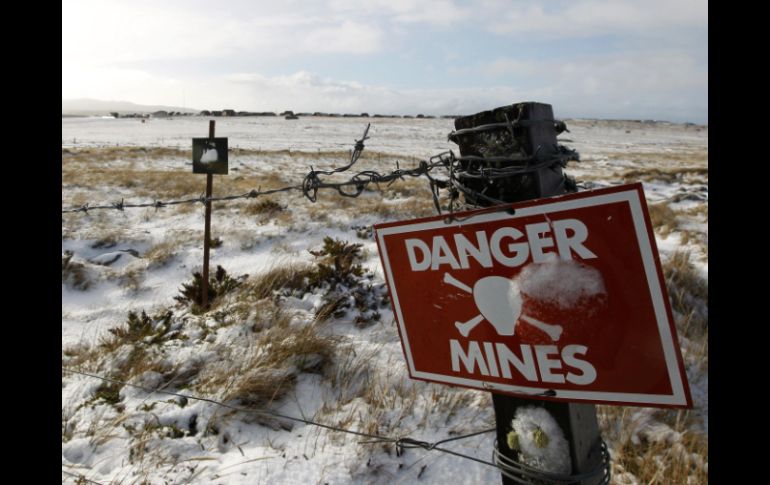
{"x": 210, "y": 155}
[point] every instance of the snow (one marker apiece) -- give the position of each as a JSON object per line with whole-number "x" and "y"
{"x": 562, "y": 283}
{"x": 209, "y": 156}
{"x": 421, "y": 138}
{"x": 530, "y": 423}
{"x": 245, "y": 451}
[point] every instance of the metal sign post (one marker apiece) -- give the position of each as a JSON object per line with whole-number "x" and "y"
{"x": 535, "y": 126}
{"x": 549, "y": 299}
{"x": 209, "y": 157}
{"x": 207, "y": 230}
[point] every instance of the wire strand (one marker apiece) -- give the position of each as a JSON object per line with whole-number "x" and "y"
{"x": 401, "y": 443}
{"x": 459, "y": 169}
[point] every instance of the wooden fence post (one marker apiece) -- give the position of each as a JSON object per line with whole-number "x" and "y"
{"x": 528, "y": 130}
{"x": 207, "y": 229}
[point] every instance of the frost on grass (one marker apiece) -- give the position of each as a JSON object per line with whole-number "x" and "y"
{"x": 539, "y": 440}
{"x": 288, "y": 338}
{"x": 74, "y": 272}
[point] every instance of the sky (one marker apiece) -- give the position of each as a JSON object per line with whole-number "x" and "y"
{"x": 615, "y": 59}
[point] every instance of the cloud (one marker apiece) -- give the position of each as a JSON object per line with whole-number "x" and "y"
{"x": 654, "y": 66}
{"x": 593, "y": 18}
{"x": 116, "y": 83}
{"x": 346, "y": 37}
{"x": 304, "y": 91}
{"x": 109, "y": 31}
{"x": 432, "y": 12}
{"x": 635, "y": 84}
{"x": 644, "y": 87}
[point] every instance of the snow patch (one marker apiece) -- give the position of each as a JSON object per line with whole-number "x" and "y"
{"x": 563, "y": 283}
{"x": 552, "y": 457}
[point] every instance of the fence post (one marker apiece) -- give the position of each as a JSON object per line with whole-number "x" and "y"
{"x": 207, "y": 230}
{"x": 528, "y": 130}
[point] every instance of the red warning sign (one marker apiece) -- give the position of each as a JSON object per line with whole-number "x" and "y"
{"x": 562, "y": 298}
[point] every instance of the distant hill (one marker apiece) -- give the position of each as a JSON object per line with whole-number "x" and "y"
{"x": 99, "y": 107}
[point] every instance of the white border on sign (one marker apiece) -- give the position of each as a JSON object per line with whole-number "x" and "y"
{"x": 630, "y": 196}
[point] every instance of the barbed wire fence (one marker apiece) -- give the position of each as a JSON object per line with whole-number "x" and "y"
{"x": 456, "y": 168}
{"x": 517, "y": 471}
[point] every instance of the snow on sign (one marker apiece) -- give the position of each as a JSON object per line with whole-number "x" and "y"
{"x": 210, "y": 155}
{"x": 564, "y": 300}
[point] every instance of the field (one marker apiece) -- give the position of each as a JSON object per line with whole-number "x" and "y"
{"x": 312, "y": 335}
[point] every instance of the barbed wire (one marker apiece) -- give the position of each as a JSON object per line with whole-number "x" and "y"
{"x": 461, "y": 168}
{"x": 458, "y": 169}
{"x": 517, "y": 471}
{"x": 401, "y": 443}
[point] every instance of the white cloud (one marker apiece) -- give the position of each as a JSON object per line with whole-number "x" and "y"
{"x": 303, "y": 91}
{"x": 638, "y": 84}
{"x": 346, "y": 37}
{"x": 109, "y": 31}
{"x": 114, "y": 83}
{"x": 117, "y": 50}
{"x": 644, "y": 86}
{"x": 590, "y": 18}
{"x": 432, "y": 12}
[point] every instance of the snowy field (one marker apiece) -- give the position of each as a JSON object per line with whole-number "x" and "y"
{"x": 291, "y": 337}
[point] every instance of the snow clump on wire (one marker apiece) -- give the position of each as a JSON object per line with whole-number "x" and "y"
{"x": 539, "y": 440}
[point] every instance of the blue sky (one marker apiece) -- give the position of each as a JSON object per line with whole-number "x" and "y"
{"x": 588, "y": 58}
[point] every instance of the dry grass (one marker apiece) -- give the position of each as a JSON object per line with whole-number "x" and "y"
{"x": 267, "y": 207}
{"x": 266, "y": 369}
{"x": 159, "y": 255}
{"x": 664, "y": 220}
{"x": 130, "y": 277}
{"x": 657, "y": 448}
{"x": 74, "y": 273}
{"x": 81, "y": 356}
{"x": 291, "y": 277}
{"x": 685, "y": 157}
{"x": 164, "y": 185}
{"x": 134, "y": 347}
{"x": 97, "y": 156}
{"x": 688, "y": 292}
{"x": 670, "y": 176}
{"x": 340, "y": 157}
{"x": 265, "y": 210}
{"x": 109, "y": 239}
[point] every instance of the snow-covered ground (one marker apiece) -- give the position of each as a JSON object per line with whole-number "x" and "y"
{"x": 121, "y": 262}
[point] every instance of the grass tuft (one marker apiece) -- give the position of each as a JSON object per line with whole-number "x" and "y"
{"x": 220, "y": 284}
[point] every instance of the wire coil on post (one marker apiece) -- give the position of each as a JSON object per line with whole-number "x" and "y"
{"x": 521, "y": 473}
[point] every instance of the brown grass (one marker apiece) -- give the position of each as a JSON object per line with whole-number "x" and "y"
{"x": 268, "y": 369}
{"x": 161, "y": 254}
{"x": 663, "y": 219}
{"x": 339, "y": 157}
{"x": 74, "y": 273}
{"x": 267, "y": 207}
{"x": 264, "y": 210}
{"x": 671, "y": 175}
{"x": 81, "y": 356}
{"x": 293, "y": 276}
{"x": 690, "y": 157}
{"x": 165, "y": 185}
{"x": 688, "y": 292}
{"x": 71, "y": 156}
{"x": 666, "y": 453}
